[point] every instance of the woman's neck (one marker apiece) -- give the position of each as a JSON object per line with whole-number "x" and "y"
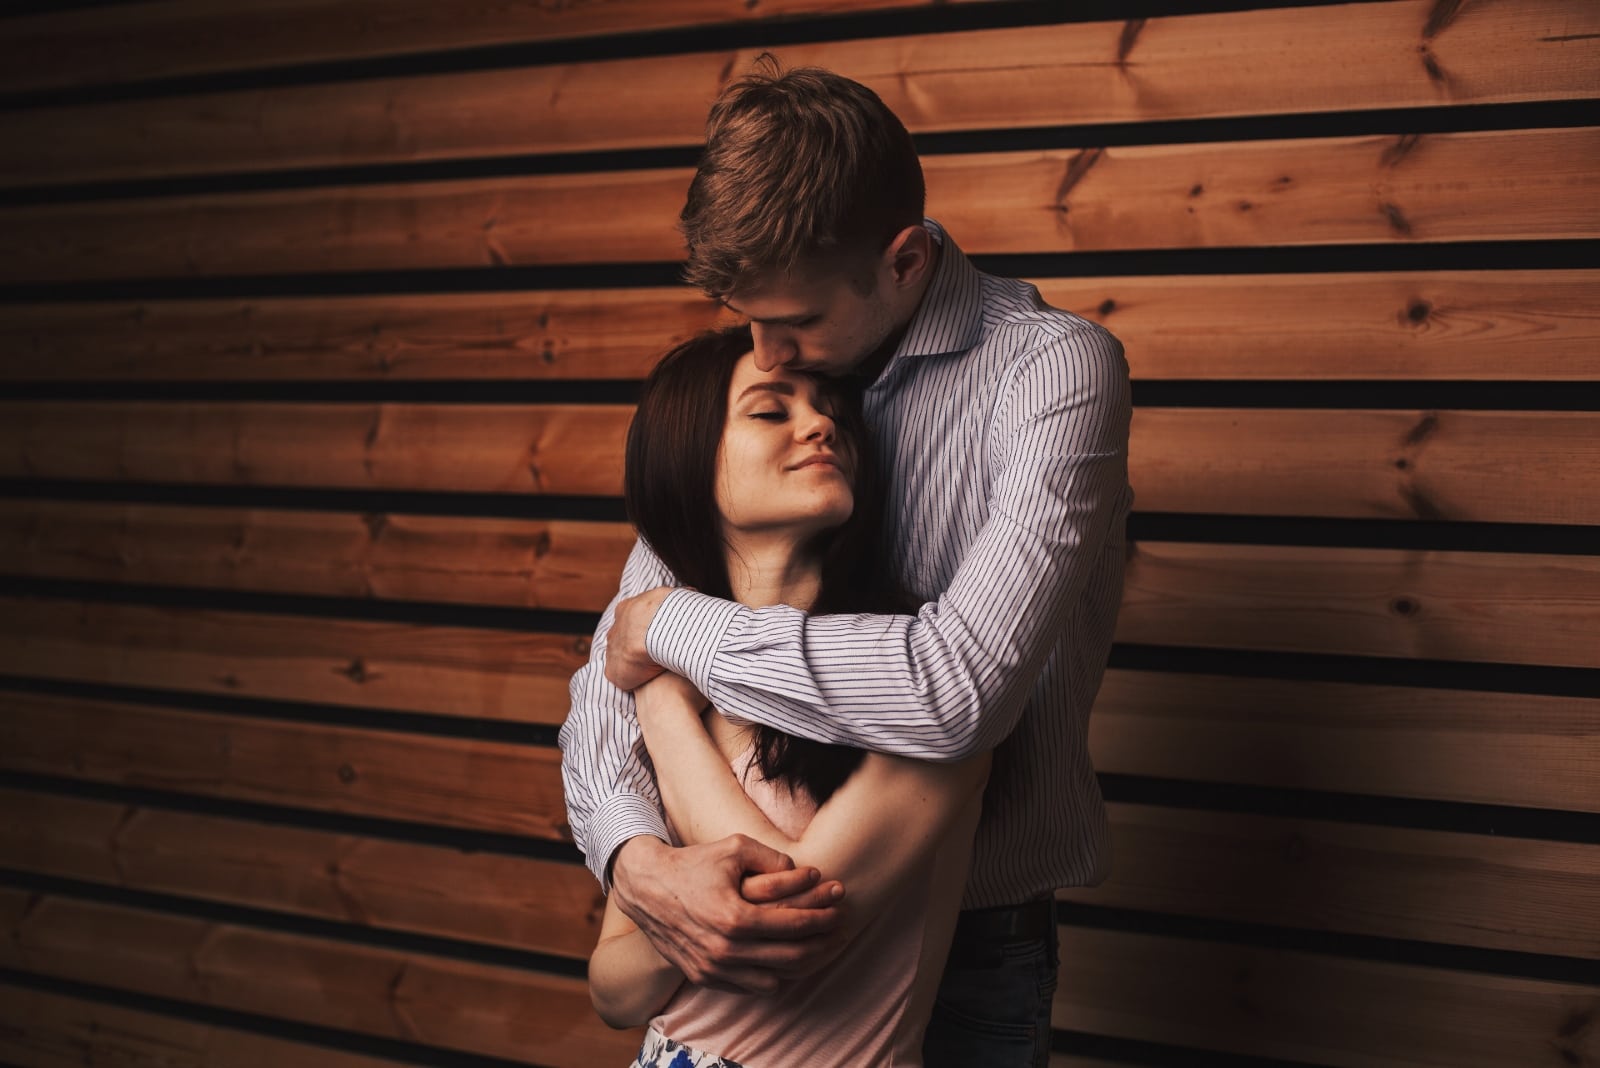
{"x": 772, "y": 570}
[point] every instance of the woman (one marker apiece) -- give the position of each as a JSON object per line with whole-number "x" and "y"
{"x": 753, "y": 486}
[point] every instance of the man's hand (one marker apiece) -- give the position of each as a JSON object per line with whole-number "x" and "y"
{"x": 687, "y": 901}
{"x": 628, "y": 664}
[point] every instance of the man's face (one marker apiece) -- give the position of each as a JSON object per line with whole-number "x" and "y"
{"x": 815, "y": 320}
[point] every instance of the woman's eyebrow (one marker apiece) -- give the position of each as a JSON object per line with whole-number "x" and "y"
{"x": 785, "y": 388}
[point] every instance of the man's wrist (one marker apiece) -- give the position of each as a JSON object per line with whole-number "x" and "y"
{"x": 685, "y": 630}
{"x": 648, "y": 846}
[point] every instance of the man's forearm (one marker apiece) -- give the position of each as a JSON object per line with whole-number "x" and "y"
{"x": 609, "y": 785}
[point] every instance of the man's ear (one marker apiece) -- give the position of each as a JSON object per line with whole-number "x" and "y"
{"x": 909, "y": 256}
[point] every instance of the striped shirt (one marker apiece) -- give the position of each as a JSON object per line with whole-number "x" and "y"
{"x": 1002, "y": 425}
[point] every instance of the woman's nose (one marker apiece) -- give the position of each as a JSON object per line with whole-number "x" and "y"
{"x": 817, "y": 428}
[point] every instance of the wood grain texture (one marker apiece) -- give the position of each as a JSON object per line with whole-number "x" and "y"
{"x": 1483, "y": 466}
{"x": 137, "y": 42}
{"x": 559, "y": 564}
{"x": 40, "y": 1029}
{"x": 1485, "y": 325}
{"x": 575, "y": 334}
{"x": 1441, "y": 744}
{"x": 1488, "y": 891}
{"x": 1346, "y": 190}
{"x": 437, "y": 670}
{"x": 449, "y": 782}
{"x": 519, "y": 902}
{"x": 1519, "y": 608}
{"x": 1317, "y": 1009}
{"x": 1438, "y": 744}
{"x": 1374, "y": 55}
{"x": 495, "y": 1010}
{"x": 1495, "y": 607}
{"x": 493, "y": 448}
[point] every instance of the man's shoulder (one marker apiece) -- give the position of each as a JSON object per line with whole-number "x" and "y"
{"x": 1019, "y": 323}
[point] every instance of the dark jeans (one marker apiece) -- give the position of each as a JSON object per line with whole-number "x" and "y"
{"x": 993, "y": 1009}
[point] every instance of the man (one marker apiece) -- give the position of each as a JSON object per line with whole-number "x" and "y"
{"x": 1003, "y": 427}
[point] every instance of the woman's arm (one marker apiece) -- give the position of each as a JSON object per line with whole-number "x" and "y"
{"x": 629, "y": 982}
{"x": 870, "y": 834}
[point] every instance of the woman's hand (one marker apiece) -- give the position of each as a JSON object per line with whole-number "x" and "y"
{"x": 668, "y": 700}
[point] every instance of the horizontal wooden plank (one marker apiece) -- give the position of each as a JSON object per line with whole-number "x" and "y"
{"x": 42, "y": 1029}
{"x": 1235, "y": 999}
{"x": 138, "y": 42}
{"x": 1488, "y": 325}
{"x": 557, "y": 564}
{"x": 1380, "y": 55}
{"x": 1437, "y": 188}
{"x": 1496, "y": 607}
{"x": 565, "y": 334}
{"x": 494, "y": 448}
{"x": 1487, "y": 466}
{"x": 438, "y": 670}
{"x": 1317, "y": 1009}
{"x": 1458, "y": 889}
{"x": 1519, "y": 608}
{"x": 1441, "y": 744}
{"x": 520, "y": 902}
{"x": 1487, "y": 891}
{"x": 451, "y": 782}
{"x": 494, "y": 1010}
{"x": 1438, "y": 744}
{"x": 1482, "y": 466}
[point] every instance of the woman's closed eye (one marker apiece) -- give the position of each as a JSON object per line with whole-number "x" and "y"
{"x": 775, "y": 416}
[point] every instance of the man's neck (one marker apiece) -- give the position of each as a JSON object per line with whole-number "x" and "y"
{"x": 868, "y": 370}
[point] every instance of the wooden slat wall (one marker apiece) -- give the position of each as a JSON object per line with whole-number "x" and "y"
{"x": 318, "y": 371}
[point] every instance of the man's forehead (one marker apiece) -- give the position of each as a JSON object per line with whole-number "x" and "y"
{"x": 782, "y": 296}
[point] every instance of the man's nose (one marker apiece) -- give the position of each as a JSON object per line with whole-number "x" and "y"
{"x": 774, "y": 347}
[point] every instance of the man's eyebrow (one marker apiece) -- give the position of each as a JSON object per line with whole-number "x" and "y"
{"x": 773, "y": 320}
{"x": 785, "y": 388}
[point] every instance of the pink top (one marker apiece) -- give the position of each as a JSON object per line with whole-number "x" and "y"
{"x": 853, "y": 1011}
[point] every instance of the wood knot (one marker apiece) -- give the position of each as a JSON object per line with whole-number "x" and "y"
{"x": 347, "y": 774}
{"x": 1419, "y": 311}
{"x": 355, "y": 671}
{"x": 1402, "y": 464}
{"x": 581, "y": 646}
{"x": 376, "y": 522}
{"x": 1107, "y": 306}
{"x": 1196, "y": 189}
{"x": 1396, "y": 218}
{"x": 1405, "y": 607}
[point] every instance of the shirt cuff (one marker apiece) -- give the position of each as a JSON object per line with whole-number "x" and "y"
{"x": 616, "y": 820}
{"x": 687, "y": 629}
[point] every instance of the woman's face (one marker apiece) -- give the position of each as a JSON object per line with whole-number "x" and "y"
{"x": 779, "y": 467}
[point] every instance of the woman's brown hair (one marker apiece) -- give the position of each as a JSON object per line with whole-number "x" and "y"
{"x": 669, "y": 487}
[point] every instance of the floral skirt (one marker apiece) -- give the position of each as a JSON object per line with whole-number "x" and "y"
{"x": 659, "y": 1051}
